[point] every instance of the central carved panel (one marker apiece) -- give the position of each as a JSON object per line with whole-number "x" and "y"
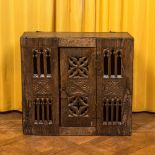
{"x": 78, "y": 67}
{"x": 78, "y": 106}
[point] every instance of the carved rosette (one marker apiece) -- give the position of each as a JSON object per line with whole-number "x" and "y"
{"x": 78, "y": 106}
{"x": 78, "y": 67}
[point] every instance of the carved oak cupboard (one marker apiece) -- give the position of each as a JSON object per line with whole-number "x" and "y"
{"x": 77, "y": 83}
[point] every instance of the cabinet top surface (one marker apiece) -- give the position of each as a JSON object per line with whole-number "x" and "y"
{"x": 123, "y": 35}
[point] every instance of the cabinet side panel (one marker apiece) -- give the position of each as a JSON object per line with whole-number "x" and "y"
{"x": 114, "y": 86}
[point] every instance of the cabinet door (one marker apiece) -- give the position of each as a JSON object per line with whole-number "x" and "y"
{"x": 40, "y": 86}
{"x": 114, "y": 86}
{"x": 78, "y": 87}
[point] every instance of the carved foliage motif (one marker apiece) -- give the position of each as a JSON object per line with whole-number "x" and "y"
{"x": 78, "y": 67}
{"x": 78, "y": 106}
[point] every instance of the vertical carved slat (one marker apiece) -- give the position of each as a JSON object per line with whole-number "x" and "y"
{"x": 33, "y": 111}
{"x": 35, "y": 71}
{"x": 107, "y": 109}
{"x": 41, "y": 110}
{"x": 112, "y": 63}
{"x": 104, "y": 110}
{"x": 38, "y": 118}
{"x": 119, "y": 63}
{"x": 50, "y": 112}
{"x": 105, "y": 63}
{"x": 43, "y": 105}
{"x": 47, "y": 109}
{"x": 120, "y": 111}
{"x": 44, "y": 62}
{"x": 115, "y": 63}
{"x": 109, "y": 64}
{"x": 117, "y": 110}
{"x": 112, "y": 111}
{"x": 48, "y": 62}
{"x": 38, "y": 63}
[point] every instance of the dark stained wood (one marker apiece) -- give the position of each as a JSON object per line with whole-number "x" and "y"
{"x": 110, "y": 35}
{"x": 115, "y": 89}
{"x": 78, "y": 42}
{"x": 40, "y": 89}
{"x": 78, "y": 97}
{"x": 77, "y": 83}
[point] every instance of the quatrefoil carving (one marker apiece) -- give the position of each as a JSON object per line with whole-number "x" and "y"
{"x": 78, "y": 106}
{"x": 78, "y": 67}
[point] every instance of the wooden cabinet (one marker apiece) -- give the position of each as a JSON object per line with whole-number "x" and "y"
{"x": 77, "y": 83}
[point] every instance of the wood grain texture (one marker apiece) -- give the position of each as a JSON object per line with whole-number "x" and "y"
{"x": 78, "y": 97}
{"x": 77, "y": 83}
{"x": 13, "y": 142}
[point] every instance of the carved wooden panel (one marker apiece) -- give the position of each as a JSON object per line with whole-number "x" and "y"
{"x": 113, "y": 86}
{"x": 78, "y": 97}
{"x": 77, "y": 83}
{"x": 40, "y": 86}
{"x": 78, "y": 67}
{"x": 78, "y": 106}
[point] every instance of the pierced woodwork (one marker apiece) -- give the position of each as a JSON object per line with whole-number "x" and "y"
{"x": 112, "y": 63}
{"x": 112, "y": 111}
{"x": 78, "y": 106}
{"x": 78, "y": 67}
{"x": 77, "y": 83}
{"x": 42, "y": 111}
{"x": 41, "y": 63}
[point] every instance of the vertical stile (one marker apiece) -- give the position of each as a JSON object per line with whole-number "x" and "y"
{"x": 112, "y": 103}
{"x": 119, "y": 63}
{"x": 105, "y": 63}
{"x": 115, "y": 63}
{"x": 117, "y": 110}
{"x": 33, "y": 111}
{"x": 44, "y": 62}
{"x": 50, "y": 111}
{"x": 112, "y": 63}
{"x": 120, "y": 110}
{"x": 43, "y": 105}
{"x": 35, "y": 55}
{"x": 107, "y": 109}
{"x": 37, "y": 107}
{"x": 104, "y": 110}
{"x": 47, "y": 109}
{"x": 48, "y": 62}
{"x": 109, "y": 63}
{"x": 38, "y": 63}
{"x": 40, "y": 110}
